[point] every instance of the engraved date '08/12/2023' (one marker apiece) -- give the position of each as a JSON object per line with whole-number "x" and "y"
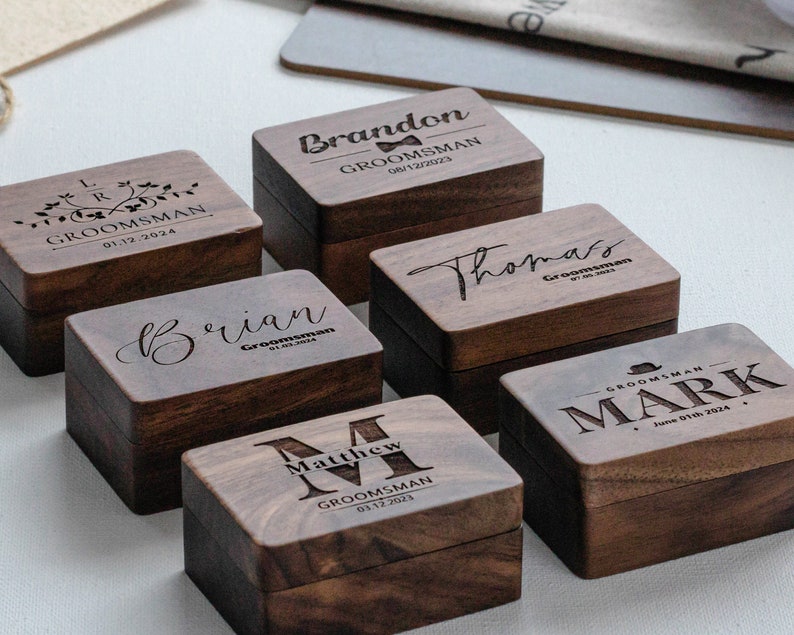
{"x": 108, "y": 244}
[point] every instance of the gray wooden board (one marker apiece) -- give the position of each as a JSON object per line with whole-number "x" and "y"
{"x": 399, "y": 48}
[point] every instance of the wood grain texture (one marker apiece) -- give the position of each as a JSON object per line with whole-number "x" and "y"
{"x": 174, "y": 388}
{"x": 378, "y": 45}
{"x": 146, "y": 476}
{"x": 112, "y": 234}
{"x": 599, "y": 541}
{"x": 65, "y": 263}
{"x": 344, "y": 266}
{"x": 677, "y": 410}
{"x": 447, "y": 153}
{"x": 156, "y": 366}
{"x": 509, "y": 289}
{"x": 33, "y": 340}
{"x": 453, "y": 582}
{"x": 414, "y": 478}
{"x": 474, "y": 393}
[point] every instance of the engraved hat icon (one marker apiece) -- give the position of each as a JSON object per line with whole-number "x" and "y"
{"x": 641, "y": 369}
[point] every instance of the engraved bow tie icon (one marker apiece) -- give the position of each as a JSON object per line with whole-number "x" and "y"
{"x": 410, "y": 140}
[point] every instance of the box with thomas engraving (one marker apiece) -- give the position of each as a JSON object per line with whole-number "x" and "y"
{"x": 373, "y": 521}
{"x": 655, "y": 450}
{"x": 147, "y": 380}
{"x": 332, "y": 189}
{"x": 456, "y": 312}
{"x": 112, "y": 234}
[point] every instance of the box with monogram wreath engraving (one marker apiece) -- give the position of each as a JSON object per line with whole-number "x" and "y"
{"x": 456, "y": 312}
{"x": 147, "y": 380}
{"x": 112, "y": 234}
{"x": 331, "y": 189}
{"x": 372, "y": 521}
{"x": 655, "y": 450}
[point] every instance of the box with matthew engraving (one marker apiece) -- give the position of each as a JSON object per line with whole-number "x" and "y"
{"x": 655, "y": 450}
{"x": 373, "y": 521}
{"x": 113, "y": 234}
{"x": 332, "y": 189}
{"x": 147, "y": 380}
{"x": 455, "y": 312}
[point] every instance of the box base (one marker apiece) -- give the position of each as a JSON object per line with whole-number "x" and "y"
{"x": 601, "y": 541}
{"x": 344, "y": 267}
{"x": 147, "y": 478}
{"x": 474, "y": 393}
{"x": 385, "y": 599}
{"x": 33, "y": 340}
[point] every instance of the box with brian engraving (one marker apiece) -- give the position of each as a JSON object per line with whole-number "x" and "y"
{"x": 372, "y": 521}
{"x": 147, "y": 380}
{"x": 655, "y": 450}
{"x": 332, "y": 189}
{"x": 112, "y": 234}
{"x": 455, "y": 312}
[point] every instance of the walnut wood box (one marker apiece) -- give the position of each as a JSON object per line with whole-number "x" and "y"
{"x": 456, "y": 312}
{"x": 112, "y": 234}
{"x": 655, "y": 450}
{"x": 147, "y": 380}
{"x": 332, "y": 189}
{"x": 372, "y": 521}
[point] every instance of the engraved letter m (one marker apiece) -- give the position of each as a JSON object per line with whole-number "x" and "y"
{"x": 366, "y": 429}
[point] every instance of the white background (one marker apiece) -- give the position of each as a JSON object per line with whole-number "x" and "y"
{"x": 203, "y": 75}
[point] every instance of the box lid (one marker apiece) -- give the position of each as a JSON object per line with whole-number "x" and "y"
{"x": 236, "y": 351}
{"x": 352, "y": 491}
{"x": 655, "y": 415}
{"x": 522, "y": 286}
{"x": 402, "y": 163}
{"x": 88, "y": 238}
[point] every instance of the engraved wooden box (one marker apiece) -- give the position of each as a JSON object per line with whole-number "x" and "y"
{"x": 372, "y": 521}
{"x": 655, "y": 450}
{"x": 112, "y": 234}
{"x": 456, "y": 312}
{"x": 332, "y": 189}
{"x": 147, "y": 380}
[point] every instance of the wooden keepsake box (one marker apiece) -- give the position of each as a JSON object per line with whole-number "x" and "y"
{"x": 112, "y": 234}
{"x": 147, "y": 380}
{"x": 456, "y": 312}
{"x": 372, "y": 521}
{"x": 332, "y": 189}
{"x": 655, "y": 450}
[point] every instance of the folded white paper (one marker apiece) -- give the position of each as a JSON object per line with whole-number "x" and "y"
{"x": 737, "y": 35}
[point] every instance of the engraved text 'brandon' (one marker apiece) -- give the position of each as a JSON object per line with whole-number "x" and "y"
{"x": 314, "y": 144}
{"x": 473, "y": 264}
{"x": 169, "y": 344}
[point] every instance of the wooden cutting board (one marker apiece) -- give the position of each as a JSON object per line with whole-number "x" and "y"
{"x": 424, "y": 52}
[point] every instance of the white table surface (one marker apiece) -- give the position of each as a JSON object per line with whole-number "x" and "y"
{"x": 203, "y": 75}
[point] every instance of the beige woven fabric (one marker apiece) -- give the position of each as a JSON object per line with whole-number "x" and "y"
{"x": 736, "y": 35}
{"x": 31, "y": 30}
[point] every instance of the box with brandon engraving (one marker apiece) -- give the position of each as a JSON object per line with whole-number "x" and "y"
{"x": 112, "y": 234}
{"x": 332, "y": 189}
{"x": 147, "y": 380}
{"x": 456, "y": 312}
{"x": 652, "y": 451}
{"x": 373, "y": 521}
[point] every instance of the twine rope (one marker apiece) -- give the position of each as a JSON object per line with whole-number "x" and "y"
{"x": 8, "y": 101}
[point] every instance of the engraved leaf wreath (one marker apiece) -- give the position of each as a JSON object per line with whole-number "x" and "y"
{"x": 141, "y": 196}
